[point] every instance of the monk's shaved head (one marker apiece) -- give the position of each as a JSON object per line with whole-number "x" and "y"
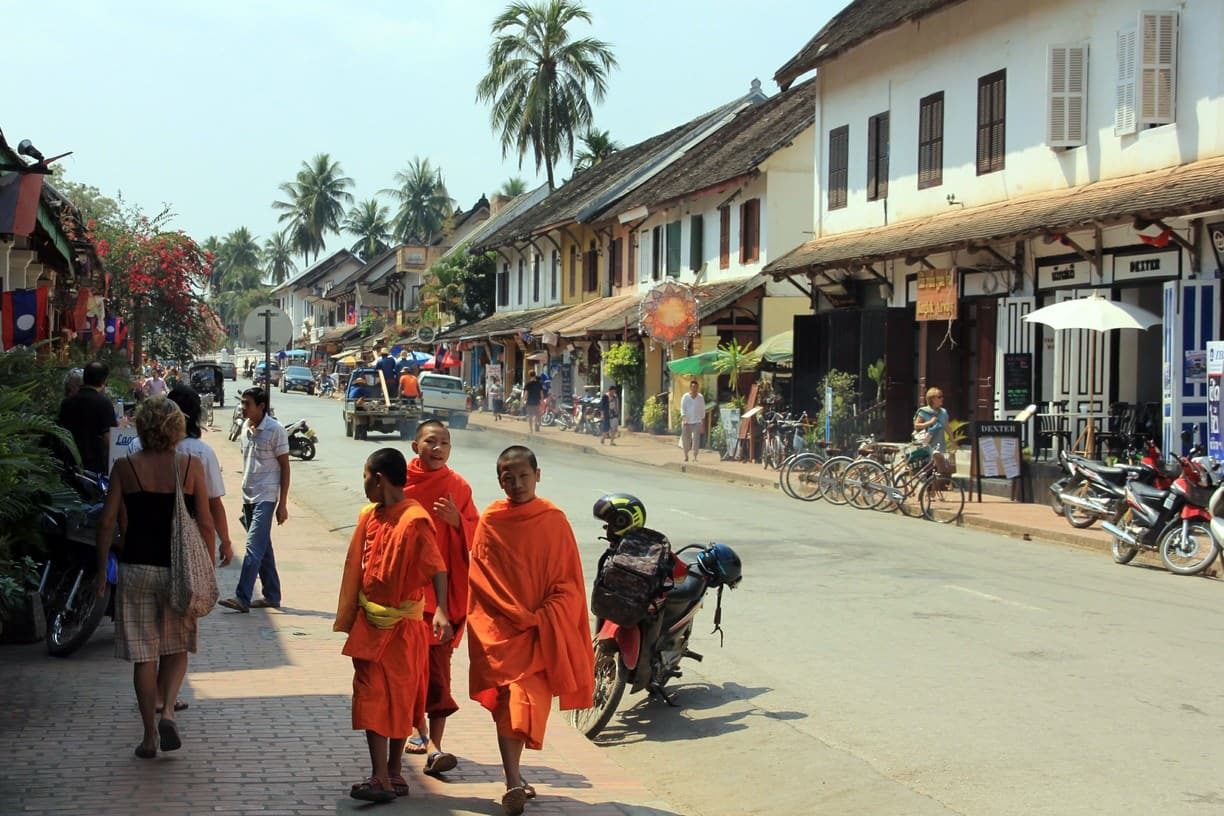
{"x": 425, "y": 426}
{"x": 389, "y": 463}
{"x": 516, "y": 453}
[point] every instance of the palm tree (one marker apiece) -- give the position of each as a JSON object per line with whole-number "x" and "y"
{"x": 512, "y": 187}
{"x": 597, "y": 145}
{"x": 424, "y": 204}
{"x": 236, "y": 250}
{"x": 368, "y": 221}
{"x": 278, "y": 258}
{"x": 315, "y": 203}
{"x": 539, "y": 78}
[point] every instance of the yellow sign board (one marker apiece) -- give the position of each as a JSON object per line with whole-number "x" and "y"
{"x": 937, "y": 295}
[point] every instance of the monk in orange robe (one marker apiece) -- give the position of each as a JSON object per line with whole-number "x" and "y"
{"x": 529, "y": 634}
{"x": 448, "y": 498}
{"x": 391, "y": 559}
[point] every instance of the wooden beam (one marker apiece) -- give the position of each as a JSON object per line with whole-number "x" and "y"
{"x": 920, "y": 260}
{"x": 871, "y": 270}
{"x": 1192, "y": 248}
{"x": 797, "y": 285}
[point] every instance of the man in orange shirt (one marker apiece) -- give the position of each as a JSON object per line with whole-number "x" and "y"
{"x": 408, "y": 384}
{"x": 529, "y": 636}
{"x": 448, "y": 498}
{"x": 391, "y": 559}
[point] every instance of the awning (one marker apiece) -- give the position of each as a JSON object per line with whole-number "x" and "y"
{"x": 337, "y": 334}
{"x": 501, "y": 323}
{"x": 1174, "y": 191}
{"x": 577, "y": 321}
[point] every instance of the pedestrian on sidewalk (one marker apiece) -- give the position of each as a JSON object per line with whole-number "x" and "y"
{"x": 89, "y": 416}
{"x": 607, "y": 405}
{"x": 692, "y": 414}
{"x": 447, "y": 497}
{"x": 532, "y": 392}
{"x": 932, "y": 419}
{"x": 265, "y": 495}
{"x": 529, "y": 636}
{"x": 495, "y": 396}
{"x": 148, "y": 631}
{"x": 391, "y": 559}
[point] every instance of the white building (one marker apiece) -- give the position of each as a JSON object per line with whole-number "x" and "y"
{"x": 306, "y": 297}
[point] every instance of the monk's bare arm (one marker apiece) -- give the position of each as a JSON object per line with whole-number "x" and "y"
{"x": 441, "y": 622}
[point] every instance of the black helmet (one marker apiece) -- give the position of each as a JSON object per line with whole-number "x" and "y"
{"x": 621, "y": 513}
{"x": 721, "y": 565}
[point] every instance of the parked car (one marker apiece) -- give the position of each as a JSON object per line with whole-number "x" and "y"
{"x": 444, "y": 395}
{"x": 297, "y": 378}
{"x": 274, "y": 373}
{"x": 230, "y": 371}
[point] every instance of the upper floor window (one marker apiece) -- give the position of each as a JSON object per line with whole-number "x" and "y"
{"x": 930, "y": 140}
{"x": 656, "y": 253}
{"x": 554, "y": 288}
{"x": 573, "y": 270}
{"x": 839, "y": 166}
{"x": 503, "y": 285}
{"x": 673, "y": 249}
{"x": 750, "y": 231}
{"x": 522, "y": 293}
{"x": 535, "y": 278}
{"x": 877, "y": 157}
{"x": 1067, "y": 108}
{"x": 724, "y": 237}
{"x": 696, "y": 243}
{"x": 590, "y": 269}
{"x": 1147, "y": 73}
{"x": 991, "y": 122}
{"x": 616, "y": 265}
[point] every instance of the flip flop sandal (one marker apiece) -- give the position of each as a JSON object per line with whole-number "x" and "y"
{"x": 514, "y": 801}
{"x": 399, "y": 785}
{"x": 146, "y": 753}
{"x": 372, "y": 790}
{"x": 528, "y": 791}
{"x": 416, "y": 745}
{"x": 169, "y": 733}
{"x": 179, "y": 705}
{"x": 440, "y": 762}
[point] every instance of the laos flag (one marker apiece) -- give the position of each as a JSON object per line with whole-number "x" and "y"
{"x": 23, "y": 317}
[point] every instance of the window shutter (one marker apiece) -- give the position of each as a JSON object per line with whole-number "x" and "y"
{"x": 1157, "y": 67}
{"x": 644, "y": 260}
{"x": 573, "y": 270}
{"x": 696, "y": 242}
{"x": 882, "y": 155}
{"x": 1125, "y": 120}
{"x": 1067, "y": 111}
{"x": 724, "y": 237}
{"x": 535, "y": 278}
{"x": 673, "y": 249}
{"x": 873, "y": 156}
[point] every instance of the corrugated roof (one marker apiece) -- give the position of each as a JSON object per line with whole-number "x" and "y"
{"x": 1188, "y": 188}
{"x": 853, "y": 25}
{"x": 317, "y": 270}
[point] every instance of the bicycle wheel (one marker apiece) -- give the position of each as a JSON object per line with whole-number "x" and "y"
{"x": 803, "y": 477}
{"x": 861, "y": 484}
{"x": 942, "y": 499}
{"x": 831, "y": 479}
{"x": 783, "y": 472}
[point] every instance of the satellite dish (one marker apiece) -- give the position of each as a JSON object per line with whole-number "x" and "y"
{"x": 425, "y": 334}
{"x": 267, "y": 328}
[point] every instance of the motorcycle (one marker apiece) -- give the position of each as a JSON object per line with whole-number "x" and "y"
{"x": 326, "y": 386}
{"x": 67, "y": 583}
{"x": 1097, "y": 490}
{"x": 647, "y": 656}
{"x": 563, "y": 417}
{"x": 237, "y": 421}
{"x": 1174, "y": 521}
{"x": 548, "y": 411}
{"x": 587, "y": 415}
{"x": 302, "y": 440}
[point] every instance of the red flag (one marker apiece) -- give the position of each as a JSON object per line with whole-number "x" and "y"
{"x": 1160, "y": 241}
{"x": 19, "y": 194}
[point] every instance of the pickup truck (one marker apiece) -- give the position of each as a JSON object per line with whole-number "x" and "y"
{"x": 366, "y": 409}
{"x": 444, "y": 395}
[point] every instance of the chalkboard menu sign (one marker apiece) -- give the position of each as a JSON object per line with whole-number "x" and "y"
{"x": 1017, "y": 381}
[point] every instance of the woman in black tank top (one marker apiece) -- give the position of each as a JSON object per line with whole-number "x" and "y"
{"x": 141, "y": 501}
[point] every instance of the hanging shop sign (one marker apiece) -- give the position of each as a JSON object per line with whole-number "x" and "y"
{"x": 937, "y": 295}
{"x": 1215, "y": 393}
{"x": 668, "y": 313}
{"x": 1215, "y": 232}
{"x": 1164, "y": 264}
{"x": 1060, "y": 274}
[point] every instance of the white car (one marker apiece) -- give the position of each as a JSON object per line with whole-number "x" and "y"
{"x": 444, "y": 394}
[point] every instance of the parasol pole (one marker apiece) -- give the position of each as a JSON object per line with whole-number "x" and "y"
{"x": 1092, "y": 338}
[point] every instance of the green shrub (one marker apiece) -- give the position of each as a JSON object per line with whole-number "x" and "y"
{"x": 718, "y": 438}
{"x": 654, "y": 415}
{"x": 624, "y": 364}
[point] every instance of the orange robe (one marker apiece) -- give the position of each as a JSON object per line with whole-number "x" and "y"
{"x": 529, "y": 634}
{"x": 426, "y": 487}
{"x": 391, "y": 558}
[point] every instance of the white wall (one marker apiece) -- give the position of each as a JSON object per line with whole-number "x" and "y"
{"x": 950, "y": 50}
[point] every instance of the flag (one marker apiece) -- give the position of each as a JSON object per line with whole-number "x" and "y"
{"x": 19, "y": 195}
{"x": 74, "y": 318}
{"x": 24, "y": 317}
{"x": 1160, "y": 241}
{"x": 121, "y": 332}
{"x": 351, "y": 318}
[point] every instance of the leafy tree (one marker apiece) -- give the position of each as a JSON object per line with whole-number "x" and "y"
{"x": 539, "y": 79}
{"x": 368, "y": 221}
{"x": 277, "y": 256}
{"x": 94, "y": 206}
{"x": 463, "y": 284}
{"x": 314, "y": 204}
{"x": 597, "y": 145}
{"x": 513, "y": 187}
{"x": 424, "y": 204}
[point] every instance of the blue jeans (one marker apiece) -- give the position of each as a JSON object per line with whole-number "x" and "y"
{"x": 259, "y": 560}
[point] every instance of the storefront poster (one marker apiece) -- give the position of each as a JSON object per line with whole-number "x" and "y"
{"x": 1215, "y": 379}
{"x": 1194, "y": 367}
{"x": 937, "y": 295}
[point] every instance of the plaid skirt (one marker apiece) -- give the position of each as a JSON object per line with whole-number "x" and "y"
{"x": 145, "y": 626}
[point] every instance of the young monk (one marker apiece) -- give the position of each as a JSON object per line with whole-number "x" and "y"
{"x": 448, "y": 498}
{"x": 391, "y": 559}
{"x": 529, "y": 638}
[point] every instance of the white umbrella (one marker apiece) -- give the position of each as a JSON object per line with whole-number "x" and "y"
{"x": 1098, "y": 314}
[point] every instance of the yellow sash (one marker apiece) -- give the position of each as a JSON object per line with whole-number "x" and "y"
{"x": 385, "y": 617}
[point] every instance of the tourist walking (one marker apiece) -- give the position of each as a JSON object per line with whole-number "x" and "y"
{"x": 494, "y": 390}
{"x": 932, "y": 419}
{"x": 692, "y": 414}
{"x": 89, "y": 415}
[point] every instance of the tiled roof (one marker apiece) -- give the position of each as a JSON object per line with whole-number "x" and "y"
{"x": 853, "y": 25}
{"x": 739, "y": 147}
{"x": 338, "y": 334}
{"x": 711, "y": 297}
{"x": 317, "y": 270}
{"x": 578, "y": 320}
{"x": 1188, "y": 188}
{"x": 502, "y": 323}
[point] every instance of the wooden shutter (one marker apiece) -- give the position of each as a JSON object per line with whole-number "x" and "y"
{"x": 696, "y": 242}
{"x": 1125, "y": 119}
{"x": 554, "y": 289}
{"x": 877, "y": 157}
{"x": 522, "y": 294}
{"x": 839, "y": 157}
{"x": 750, "y": 231}
{"x": 724, "y": 237}
{"x": 590, "y": 268}
{"x": 535, "y": 278}
{"x": 1066, "y": 109}
{"x": 1157, "y": 67}
{"x": 930, "y": 141}
{"x": 673, "y": 249}
{"x": 616, "y": 263}
{"x": 992, "y": 122}
{"x": 573, "y": 270}
{"x": 503, "y": 286}
{"x": 656, "y": 253}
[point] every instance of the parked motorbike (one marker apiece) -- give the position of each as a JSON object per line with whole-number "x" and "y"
{"x": 587, "y": 415}
{"x": 326, "y": 386}
{"x": 67, "y": 583}
{"x": 548, "y": 410}
{"x": 1176, "y": 521}
{"x": 237, "y": 421}
{"x": 302, "y": 440}
{"x": 1096, "y": 491}
{"x": 647, "y": 656}
{"x": 563, "y": 417}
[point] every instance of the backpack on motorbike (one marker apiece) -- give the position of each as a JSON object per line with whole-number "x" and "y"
{"x": 631, "y": 574}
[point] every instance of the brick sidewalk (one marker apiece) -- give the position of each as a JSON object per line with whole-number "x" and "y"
{"x": 268, "y": 730}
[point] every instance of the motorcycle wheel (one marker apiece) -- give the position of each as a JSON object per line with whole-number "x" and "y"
{"x": 235, "y": 430}
{"x": 1056, "y": 505}
{"x": 1191, "y": 554}
{"x": 610, "y": 678}
{"x": 306, "y": 450}
{"x": 1123, "y": 553}
{"x": 67, "y": 630}
{"x": 547, "y": 418}
{"x": 1079, "y": 519}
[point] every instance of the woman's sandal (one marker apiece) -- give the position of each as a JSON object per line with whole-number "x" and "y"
{"x": 417, "y": 745}
{"x": 528, "y": 791}
{"x": 179, "y": 705}
{"x": 169, "y": 733}
{"x": 399, "y": 784}
{"x": 372, "y": 790}
{"x": 146, "y": 753}
{"x": 514, "y": 801}
{"x": 440, "y": 762}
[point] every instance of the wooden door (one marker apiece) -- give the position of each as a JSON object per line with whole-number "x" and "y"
{"x": 987, "y": 324}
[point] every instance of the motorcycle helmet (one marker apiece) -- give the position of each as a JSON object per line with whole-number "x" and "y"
{"x": 720, "y": 563}
{"x": 621, "y": 513}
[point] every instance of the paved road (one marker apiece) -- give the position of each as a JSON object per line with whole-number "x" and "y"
{"x": 877, "y": 665}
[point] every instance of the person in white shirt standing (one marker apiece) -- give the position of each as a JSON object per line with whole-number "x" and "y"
{"x": 265, "y": 493}
{"x": 692, "y": 413}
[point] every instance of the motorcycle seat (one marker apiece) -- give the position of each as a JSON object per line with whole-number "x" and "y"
{"x": 1147, "y": 492}
{"x": 689, "y": 589}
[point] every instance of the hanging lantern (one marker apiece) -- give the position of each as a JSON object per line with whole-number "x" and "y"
{"x": 669, "y": 314}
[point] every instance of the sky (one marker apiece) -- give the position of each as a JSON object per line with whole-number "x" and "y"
{"x": 209, "y": 106}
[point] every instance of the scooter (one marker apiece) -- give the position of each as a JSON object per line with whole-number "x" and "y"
{"x": 327, "y": 386}
{"x": 302, "y": 440}
{"x": 1098, "y": 490}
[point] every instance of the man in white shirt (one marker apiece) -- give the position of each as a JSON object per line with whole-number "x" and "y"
{"x": 265, "y": 491}
{"x": 692, "y": 414}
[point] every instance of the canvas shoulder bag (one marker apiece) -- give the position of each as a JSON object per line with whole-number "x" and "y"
{"x": 193, "y": 578}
